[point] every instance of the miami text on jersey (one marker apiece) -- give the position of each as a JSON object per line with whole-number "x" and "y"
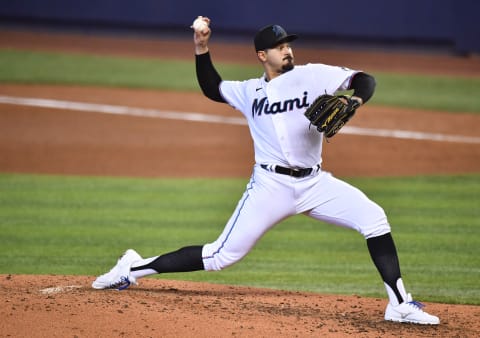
{"x": 263, "y": 106}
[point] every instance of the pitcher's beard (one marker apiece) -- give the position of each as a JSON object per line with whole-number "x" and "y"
{"x": 288, "y": 66}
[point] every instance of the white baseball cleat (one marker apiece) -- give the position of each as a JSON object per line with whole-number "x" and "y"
{"x": 410, "y": 311}
{"x": 119, "y": 276}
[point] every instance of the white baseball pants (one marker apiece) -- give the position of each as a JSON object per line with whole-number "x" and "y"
{"x": 270, "y": 198}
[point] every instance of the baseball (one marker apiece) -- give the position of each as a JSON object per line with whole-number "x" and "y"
{"x": 199, "y": 24}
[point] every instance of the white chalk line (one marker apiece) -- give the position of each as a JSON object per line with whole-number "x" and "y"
{"x": 198, "y": 117}
{"x": 119, "y": 110}
{"x": 59, "y": 289}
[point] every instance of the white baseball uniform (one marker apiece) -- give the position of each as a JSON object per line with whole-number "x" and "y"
{"x": 282, "y": 137}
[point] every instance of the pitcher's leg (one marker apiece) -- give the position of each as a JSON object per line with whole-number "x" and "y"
{"x": 384, "y": 255}
{"x": 183, "y": 260}
{"x": 259, "y": 209}
{"x": 351, "y": 208}
{"x": 262, "y": 206}
{"x": 337, "y": 202}
{"x": 345, "y": 205}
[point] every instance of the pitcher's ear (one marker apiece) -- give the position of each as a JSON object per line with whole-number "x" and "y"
{"x": 262, "y": 55}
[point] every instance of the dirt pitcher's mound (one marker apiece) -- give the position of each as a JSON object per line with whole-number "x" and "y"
{"x": 66, "y": 306}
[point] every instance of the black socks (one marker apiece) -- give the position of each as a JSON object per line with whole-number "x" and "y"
{"x": 183, "y": 260}
{"x": 384, "y": 255}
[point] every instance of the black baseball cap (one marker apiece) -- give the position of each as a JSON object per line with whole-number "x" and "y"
{"x": 271, "y": 36}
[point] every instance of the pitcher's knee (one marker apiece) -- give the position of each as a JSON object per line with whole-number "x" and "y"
{"x": 376, "y": 226}
{"x": 219, "y": 259}
{"x": 376, "y": 230}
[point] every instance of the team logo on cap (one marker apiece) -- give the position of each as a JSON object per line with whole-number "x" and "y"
{"x": 277, "y": 30}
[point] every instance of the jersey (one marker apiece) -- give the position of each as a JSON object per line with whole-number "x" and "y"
{"x": 275, "y": 112}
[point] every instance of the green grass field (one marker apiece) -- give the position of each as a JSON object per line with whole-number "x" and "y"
{"x": 79, "y": 225}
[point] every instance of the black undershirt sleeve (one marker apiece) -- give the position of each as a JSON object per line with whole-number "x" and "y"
{"x": 363, "y": 86}
{"x": 208, "y": 77}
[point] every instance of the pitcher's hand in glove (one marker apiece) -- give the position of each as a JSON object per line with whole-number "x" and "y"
{"x": 329, "y": 113}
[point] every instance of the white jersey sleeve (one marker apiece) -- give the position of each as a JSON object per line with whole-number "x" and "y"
{"x": 330, "y": 78}
{"x": 238, "y": 93}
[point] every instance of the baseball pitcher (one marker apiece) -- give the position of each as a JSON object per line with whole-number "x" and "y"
{"x": 290, "y": 109}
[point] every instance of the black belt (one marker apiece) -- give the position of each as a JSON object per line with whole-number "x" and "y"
{"x": 298, "y": 173}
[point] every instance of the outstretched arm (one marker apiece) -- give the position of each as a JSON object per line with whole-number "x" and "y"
{"x": 207, "y": 76}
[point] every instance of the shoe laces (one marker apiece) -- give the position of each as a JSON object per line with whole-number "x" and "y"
{"x": 416, "y": 304}
{"x": 122, "y": 284}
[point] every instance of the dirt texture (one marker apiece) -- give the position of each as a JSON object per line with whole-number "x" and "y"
{"x": 56, "y": 141}
{"x": 66, "y": 306}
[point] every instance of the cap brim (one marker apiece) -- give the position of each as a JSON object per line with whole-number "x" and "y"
{"x": 288, "y": 38}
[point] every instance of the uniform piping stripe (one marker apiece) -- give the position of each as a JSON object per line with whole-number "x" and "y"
{"x": 234, "y": 223}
